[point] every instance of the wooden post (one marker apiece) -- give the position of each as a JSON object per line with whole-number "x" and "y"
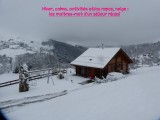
{"x": 116, "y": 64}
{"x": 48, "y": 76}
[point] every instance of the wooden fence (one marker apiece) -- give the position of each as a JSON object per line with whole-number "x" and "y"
{"x": 34, "y": 77}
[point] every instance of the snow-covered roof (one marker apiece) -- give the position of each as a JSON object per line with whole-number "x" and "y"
{"x": 95, "y": 57}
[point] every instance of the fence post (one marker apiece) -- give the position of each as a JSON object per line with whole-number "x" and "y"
{"x": 48, "y": 76}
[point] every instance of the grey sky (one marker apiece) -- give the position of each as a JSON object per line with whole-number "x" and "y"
{"x": 140, "y": 24}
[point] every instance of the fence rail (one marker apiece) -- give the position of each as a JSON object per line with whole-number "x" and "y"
{"x": 12, "y": 82}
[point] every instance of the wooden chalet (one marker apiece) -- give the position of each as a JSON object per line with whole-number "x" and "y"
{"x": 100, "y": 61}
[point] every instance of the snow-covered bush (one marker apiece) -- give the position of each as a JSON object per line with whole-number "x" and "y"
{"x": 60, "y": 75}
{"x": 110, "y": 77}
{"x": 97, "y": 80}
{"x": 114, "y": 76}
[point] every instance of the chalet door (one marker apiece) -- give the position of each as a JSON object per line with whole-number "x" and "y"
{"x": 87, "y": 72}
{"x": 91, "y": 72}
{"x": 82, "y": 71}
{"x": 105, "y": 72}
{"x": 98, "y": 73}
{"x": 102, "y": 73}
{"x": 77, "y": 70}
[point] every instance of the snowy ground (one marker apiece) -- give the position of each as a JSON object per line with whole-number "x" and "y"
{"x": 8, "y": 77}
{"x": 40, "y": 86}
{"x": 136, "y": 97}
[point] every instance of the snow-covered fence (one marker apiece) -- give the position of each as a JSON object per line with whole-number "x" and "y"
{"x": 33, "y": 77}
{"x": 12, "y": 82}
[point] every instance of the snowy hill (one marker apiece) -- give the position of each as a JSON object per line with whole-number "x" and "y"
{"x": 136, "y": 97}
{"x": 12, "y": 45}
{"x": 147, "y": 53}
{"x": 37, "y": 53}
{"x": 16, "y": 46}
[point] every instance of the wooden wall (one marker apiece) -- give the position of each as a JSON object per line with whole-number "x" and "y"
{"x": 119, "y": 63}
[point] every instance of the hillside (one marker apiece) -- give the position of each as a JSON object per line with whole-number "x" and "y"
{"x": 36, "y": 53}
{"x": 147, "y": 53}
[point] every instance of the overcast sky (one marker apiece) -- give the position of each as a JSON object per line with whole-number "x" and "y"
{"x": 138, "y": 25}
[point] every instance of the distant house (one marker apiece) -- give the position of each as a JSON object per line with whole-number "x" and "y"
{"x": 100, "y": 61}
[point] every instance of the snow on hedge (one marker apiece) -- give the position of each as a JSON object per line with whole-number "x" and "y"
{"x": 114, "y": 76}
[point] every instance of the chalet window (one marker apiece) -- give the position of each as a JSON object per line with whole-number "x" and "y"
{"x": 119, "y": 65}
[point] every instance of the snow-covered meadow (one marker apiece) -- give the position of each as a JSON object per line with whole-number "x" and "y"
{"x": 135, "y": 97}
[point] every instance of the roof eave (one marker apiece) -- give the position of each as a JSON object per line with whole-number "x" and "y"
{"x": 87, "y": 66}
